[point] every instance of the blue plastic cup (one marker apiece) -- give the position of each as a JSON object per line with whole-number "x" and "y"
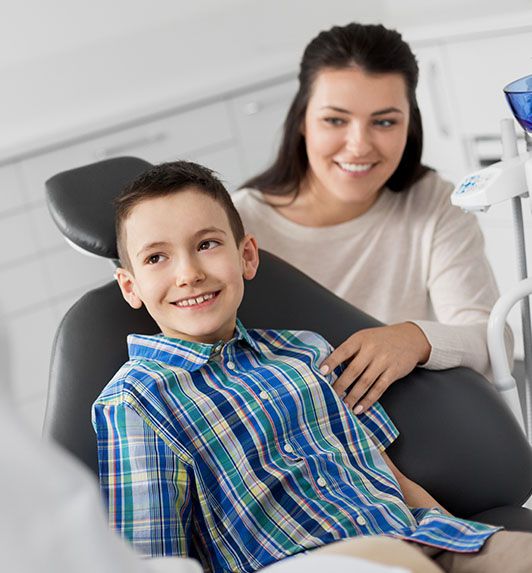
{"x": 519, "y": 96}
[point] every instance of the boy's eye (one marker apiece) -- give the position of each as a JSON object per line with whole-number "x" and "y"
{"x": 154, "y": 259}
{"x": 336, "y": 121}
{"x": 206, "y": 245}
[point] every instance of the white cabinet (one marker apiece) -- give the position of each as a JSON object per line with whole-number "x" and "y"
{"x": 259, "y": 117}
{"x": 479, "y": 70}
{"x": 443, "y": 146}
{"x": 461, "y": 97}
{"x": 189, "y": 133}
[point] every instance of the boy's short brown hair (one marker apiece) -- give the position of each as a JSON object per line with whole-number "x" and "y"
{"x": 167, "y": 179}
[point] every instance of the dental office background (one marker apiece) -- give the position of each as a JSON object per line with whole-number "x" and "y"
{"x": 208, "y": 80}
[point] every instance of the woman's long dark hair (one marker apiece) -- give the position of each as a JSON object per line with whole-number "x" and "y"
{"x": 374, "y": 49}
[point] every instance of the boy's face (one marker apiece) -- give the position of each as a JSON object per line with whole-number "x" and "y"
{"x": 186, "y": 266}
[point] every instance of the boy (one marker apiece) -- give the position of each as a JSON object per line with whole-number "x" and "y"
{"x": 229, "y": 445}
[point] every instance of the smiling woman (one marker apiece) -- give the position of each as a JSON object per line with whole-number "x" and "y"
{"x": 348, "y": 202}
{"x": 355, "y": 130}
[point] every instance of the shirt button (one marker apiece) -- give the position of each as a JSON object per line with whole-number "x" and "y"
{"x": 288, "y": 448}
{"x": 230, "y": 365}
{"x": 360, "y": 520}
{"x": 321, "y": 482}
{"x": 264, "y": 395}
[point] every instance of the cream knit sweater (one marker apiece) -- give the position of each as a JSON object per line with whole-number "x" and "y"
{"x": 411, "y": 257}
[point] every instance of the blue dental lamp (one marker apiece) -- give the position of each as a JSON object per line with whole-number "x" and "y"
{"x": 519, "y": 96}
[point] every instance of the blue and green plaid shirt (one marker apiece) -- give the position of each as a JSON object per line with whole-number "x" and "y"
{"x": 240, "y": 454}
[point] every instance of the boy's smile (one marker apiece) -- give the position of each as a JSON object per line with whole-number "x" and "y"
{"x": 198, "y": 301}
{"x": 185, "y": 265}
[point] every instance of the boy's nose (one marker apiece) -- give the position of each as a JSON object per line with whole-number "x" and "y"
{"x": 188, "y": 274}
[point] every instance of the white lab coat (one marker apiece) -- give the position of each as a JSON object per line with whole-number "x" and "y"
{"x": 51, "y": 516}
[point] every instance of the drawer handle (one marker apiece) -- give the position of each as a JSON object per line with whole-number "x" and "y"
{"x": 252, "y": 108}
{"x": 121, "y": 148}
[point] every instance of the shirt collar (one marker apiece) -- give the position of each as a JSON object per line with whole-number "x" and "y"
{"x": 183, "y": 353}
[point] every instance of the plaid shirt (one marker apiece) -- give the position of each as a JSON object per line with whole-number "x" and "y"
{"x": 240, "y": 454}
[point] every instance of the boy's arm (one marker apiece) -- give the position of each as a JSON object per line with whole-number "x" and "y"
{"x": 146, "y": 487}
{"x": 414, "y": 494}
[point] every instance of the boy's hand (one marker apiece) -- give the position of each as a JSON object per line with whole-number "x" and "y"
{"x": 378, "y": 357}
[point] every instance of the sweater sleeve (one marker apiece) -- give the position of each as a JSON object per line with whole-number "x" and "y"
{"x": 462, "y": 292}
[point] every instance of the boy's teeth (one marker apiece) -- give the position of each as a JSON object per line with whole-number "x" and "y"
{"x": 354, "y": 167}
{"x": 196, "y": 300}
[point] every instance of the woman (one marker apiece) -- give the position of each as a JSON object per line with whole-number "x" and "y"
{"x": 348, "y": 202}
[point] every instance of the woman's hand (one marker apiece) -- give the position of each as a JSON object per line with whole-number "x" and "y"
{"x": 379, "y": 356}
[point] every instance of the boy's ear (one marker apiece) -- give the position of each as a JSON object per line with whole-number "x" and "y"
{"x": 250, "y": 257}
{"x": 126, "y": 282}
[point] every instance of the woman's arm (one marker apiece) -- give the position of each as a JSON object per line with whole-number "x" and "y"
{"x": 461, "y": 290}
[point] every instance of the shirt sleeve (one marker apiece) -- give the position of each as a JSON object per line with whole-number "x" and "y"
{"x": 146, "y": 487}
{"x": 462, "y": 291}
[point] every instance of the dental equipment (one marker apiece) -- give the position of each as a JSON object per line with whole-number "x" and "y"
{"x": 509, "y": 179}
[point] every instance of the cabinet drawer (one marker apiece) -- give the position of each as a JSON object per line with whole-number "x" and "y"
{"x": 164, "y": 139}
{"x": 259, "y": 117}
{"x": 11, "y": 190}
{"x": 169, "y": 137}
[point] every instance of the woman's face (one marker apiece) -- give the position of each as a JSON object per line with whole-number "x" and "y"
{"x": 355, "y": 128}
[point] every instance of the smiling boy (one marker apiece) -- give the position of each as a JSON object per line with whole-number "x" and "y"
{"x": 228, "y": 444}
{"x": 185, "y": 261}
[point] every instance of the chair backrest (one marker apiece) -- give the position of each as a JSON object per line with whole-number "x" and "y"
{"x": 458, "y": 439}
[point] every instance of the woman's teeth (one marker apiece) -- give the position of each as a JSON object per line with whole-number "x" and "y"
{"x": 355, "y": 167}
{"x": 195, "y": 300}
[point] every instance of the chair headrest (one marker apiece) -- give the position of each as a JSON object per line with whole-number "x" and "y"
{"x": 81, "y": 202}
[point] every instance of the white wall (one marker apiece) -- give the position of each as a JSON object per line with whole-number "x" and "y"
{"x": 67, "y": 64}
{"x": 406, "y": 13}
{"x": 36, "y": 29}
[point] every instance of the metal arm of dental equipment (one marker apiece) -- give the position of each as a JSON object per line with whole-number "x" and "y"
{"x": 509, "y": 179}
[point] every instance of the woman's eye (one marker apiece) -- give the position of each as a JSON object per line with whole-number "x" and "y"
{"x": 385, "y": 122}
{"x": 206, "y": 245}
{"x": 334, "y": 121}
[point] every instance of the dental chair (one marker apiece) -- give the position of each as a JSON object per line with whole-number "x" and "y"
{"x": 457, "y": 437}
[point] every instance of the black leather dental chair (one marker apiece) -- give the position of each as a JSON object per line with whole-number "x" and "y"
{"x": 458, "y": 439}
